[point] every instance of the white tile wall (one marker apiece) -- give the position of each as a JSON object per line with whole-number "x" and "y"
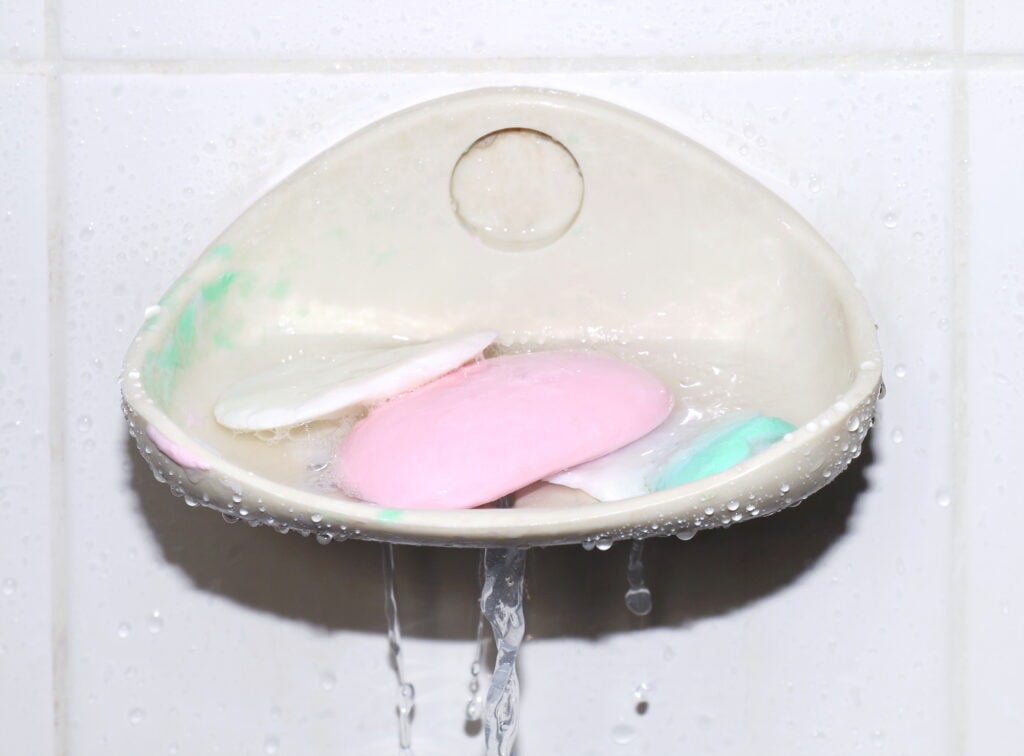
{"x": 467, "y": 28}
{"x": 994, "y": 26}
{"x": 26, "y": 674}
{"x": 21, "y": 29}
{"x": 880, "y": 617}
{"x": 994, "y": 612}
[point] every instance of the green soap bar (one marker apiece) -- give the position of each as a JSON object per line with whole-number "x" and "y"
{"x": 719, "y": 450}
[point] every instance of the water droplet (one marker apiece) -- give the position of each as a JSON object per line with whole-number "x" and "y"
{"x": 136, "y": 715}
{"x": 853, "y": 423}
{"x": 638, "y": 601}
{"x": 686, "y": 534}
{"x": 229, "y": 519}
{"x": 324, "y": 538}
{"x": 623, "y": 734}
{"x": 784, "y": 488}
{"x": 709, "y": 511}
{"x": 640, "y": 696}
{"x": 270, "y": 745}
{"x": 732, "y": 506}
{"x": 328, "y": 680}
{"x": 9, "y": 587}
{"x": 84, "y": 423}
{"x": 189, "y": 501}
{"x": 897, "y": 436}
{"x": 901, "y": 371}
{"x": 124, "y": 629}
{"x": 87, "y": 232}
{"x": 603, "y": 544}
{"x": 316, "y": 517}
{"x": 942, "y": 498}
{"x": 155, "y": 623}
{"x": 890, "y": 220}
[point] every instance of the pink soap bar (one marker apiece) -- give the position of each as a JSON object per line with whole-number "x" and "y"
{"x": 495, "y": 426}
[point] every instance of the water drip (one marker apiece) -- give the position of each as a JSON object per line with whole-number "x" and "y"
{"x": 406, "y": 700}
{"x": 475, "y": 706}
{"x": 638, "y": 596}
{"x": 501, "y": 602}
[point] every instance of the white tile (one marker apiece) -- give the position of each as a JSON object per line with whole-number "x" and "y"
{"x": 994, "y": 561}
{"x": 848, "y": 613}
{"x": 465, "y": 29}
{"x": 26, "y": 670}
{"x": 22, "y": 32}
{"x": 994, "y": 26}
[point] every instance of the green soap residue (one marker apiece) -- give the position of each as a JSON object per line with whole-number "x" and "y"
{"x": 216, "y": 291}
{"x": 222, "y": 339}
{"x": 719, "y": 450}
{"x": 161, "y": 365}
{"x": 221, "y": 250}
{"x": 389, "y": 515}
{"x": 279, "y": 290}
{"x": 215, "y": 253}
{"x": 178, "y": 350}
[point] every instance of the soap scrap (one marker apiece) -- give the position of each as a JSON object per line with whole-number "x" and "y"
{"x": 322, "y": 386}
{"x": 720, "y": 449}
{"x": 626, "y": 472}
{"x": 175, "y": 451}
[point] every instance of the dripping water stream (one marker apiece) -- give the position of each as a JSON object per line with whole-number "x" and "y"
{"x": 501, "y": 605}
{"x": 475, "y": 707}
{"x": 638, "y": 595}
{"x": 406, "y": 693}
{"x": 501, "y": 602}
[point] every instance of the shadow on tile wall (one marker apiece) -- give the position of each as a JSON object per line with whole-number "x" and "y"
{"x": 571, "y": 592}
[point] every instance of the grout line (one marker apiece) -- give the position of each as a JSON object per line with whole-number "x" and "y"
{"x": 59, "y": 567}
{"x": 959, "y": 30}
{"x": 884, "y": 61}
{"x": 958, "y": 699}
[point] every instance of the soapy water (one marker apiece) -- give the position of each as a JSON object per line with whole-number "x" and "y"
{"x": 705, "y": 379}
{"x": 406, "y": 698}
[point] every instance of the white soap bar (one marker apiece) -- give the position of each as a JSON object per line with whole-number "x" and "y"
{"x": 626, "y": 473}
{"x": 317, "y": 387}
